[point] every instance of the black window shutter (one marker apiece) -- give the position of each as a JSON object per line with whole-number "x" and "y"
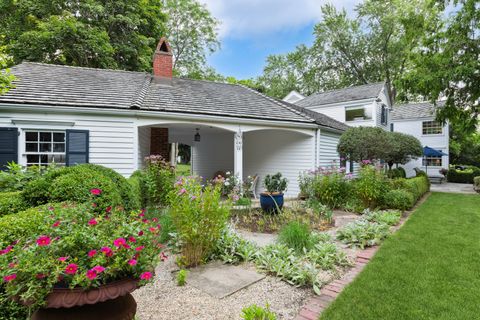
{"x": 77, "y": 147}
{"x": 8, "y": 146}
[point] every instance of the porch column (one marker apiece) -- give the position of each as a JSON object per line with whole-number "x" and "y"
{"x": 238, "y": 155}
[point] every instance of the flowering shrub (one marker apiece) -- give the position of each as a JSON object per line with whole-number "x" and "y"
{"x": 370, "y": 186}
{"x": 76, "y": 247}
{"x": 159, "y": 177}
{"x": 199, "y": 216}
{"x": 329, "y": 186}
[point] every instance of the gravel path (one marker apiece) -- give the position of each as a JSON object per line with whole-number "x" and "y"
{"x": 163, "y": 299}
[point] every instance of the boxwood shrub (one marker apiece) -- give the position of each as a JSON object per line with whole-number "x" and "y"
{"x": 463, "y": 176}
{"x": 74, "y": 183}
{"x": 400, "y": 199}
{"x": 11, "y": 202}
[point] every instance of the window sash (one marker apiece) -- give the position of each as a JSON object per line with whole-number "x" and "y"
{"x": 432, "y": 161}
{"x": 358, "y": 113}
{"x": 431, "y": 127}
{"x": 43, "y": 147}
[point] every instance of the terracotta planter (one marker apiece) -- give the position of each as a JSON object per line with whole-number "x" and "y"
{"x": 68, "y": 298}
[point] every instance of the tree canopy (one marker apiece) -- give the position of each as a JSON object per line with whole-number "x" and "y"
{"x": 402, "y": 148}
{"x": 6, "y": 78}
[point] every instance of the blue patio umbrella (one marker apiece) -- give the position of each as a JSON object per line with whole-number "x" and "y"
{"x": 430, "y": 152}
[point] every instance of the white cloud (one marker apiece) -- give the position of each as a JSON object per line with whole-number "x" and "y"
{"x": 246, "y": 18}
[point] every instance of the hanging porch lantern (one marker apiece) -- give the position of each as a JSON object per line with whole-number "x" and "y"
{"x": 196, "y": 137}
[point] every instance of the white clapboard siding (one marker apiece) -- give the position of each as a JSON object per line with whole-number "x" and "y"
{"x": 213, "y": 153}
{"x": 271, "y": 151}
{"x": 328, "y": 149}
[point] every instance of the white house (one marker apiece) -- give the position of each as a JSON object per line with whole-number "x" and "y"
{"x": 418, "y": 120}
{"x": 71, "y": 115}
{"x": 370, "y": 105}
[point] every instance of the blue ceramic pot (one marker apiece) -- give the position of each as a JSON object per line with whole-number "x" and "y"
{"x": 271, "y": 203}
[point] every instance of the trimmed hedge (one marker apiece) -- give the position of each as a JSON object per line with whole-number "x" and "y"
{"x": 11, "y": 202}
{"x": 476, "y": 184}
{"x": 463, "y": 176}
{"x": 404, "y": 193}
{"x": 400, "y": 199}
{"x": 73, "y": 184}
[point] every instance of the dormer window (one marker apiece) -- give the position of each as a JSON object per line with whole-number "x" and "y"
{"x": 358, "y": 113}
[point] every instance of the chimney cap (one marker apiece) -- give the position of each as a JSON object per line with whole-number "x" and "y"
{"x": 163, "y": 47}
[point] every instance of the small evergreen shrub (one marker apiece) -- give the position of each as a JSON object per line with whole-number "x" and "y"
{"x": 254, "y": 312}
{"x": 11, "y": 202}
{"x": 398, "y": 199}
{"x": 463, "y": 176}
{"x": 418, "y": 186}
{"x": 295, "y": 235}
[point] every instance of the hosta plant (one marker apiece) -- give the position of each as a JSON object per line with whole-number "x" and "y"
{"x": 75, "y": 246}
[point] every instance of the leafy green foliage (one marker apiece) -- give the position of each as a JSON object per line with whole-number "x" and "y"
{"x": 233, "y": 249}
{"x": 199, "y": 216}
{"x": 254, "y": 312}
{"x": 463, "y": 176}
{"x": 275, "y": 183}
{"x": 295, "y": 235}
{"x": 402, "y": 148}
{"x": 370, "y": 186}
{"x": 363, "y": 143}
{"x": 389, "y": 217}
{"x": 34, "y": 242}
{"x": 158, "y": 177}
{"x": 398, "y": 199}
{"x": 15, "y": 177}
{"x": 104, "y": 34}
{"x": 11, "y": 202}
{"x": 363, "y": 233}
{"x": 192, "y": 32}
{"x": 476, "y": 183}
{"x": 6, "y": 78}
{"x": 328, "y": 186}
{"x": 182, "y": 277}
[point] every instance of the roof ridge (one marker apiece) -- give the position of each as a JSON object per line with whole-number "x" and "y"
{"x": 281, "y": 104}
{"x": 346, "y": 88}
{"x": 436, "y": 103}
{"x": 83, "y": 68}
{"x": 138, "y": 101}
{"x": 317, "y": 115}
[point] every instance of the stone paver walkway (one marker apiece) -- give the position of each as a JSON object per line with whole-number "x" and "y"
{"x": 260, "y": 239}
{"x": 451, "y": 187}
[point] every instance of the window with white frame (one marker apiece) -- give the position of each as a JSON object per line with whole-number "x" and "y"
{"x": 431, "y": 127}
{"x": 358, "y": 113}
{"x": 432, "y": 161}
{"x": 44, "y": 147}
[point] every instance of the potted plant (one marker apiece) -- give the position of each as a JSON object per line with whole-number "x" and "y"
{"x": 74, "y": 255}
{"x": 271, "y": 200}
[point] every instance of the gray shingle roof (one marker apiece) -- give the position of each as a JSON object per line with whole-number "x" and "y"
{"x": 45, "y": 84}
{"x": 341, "y": 95}
{"x": 414, "y": 110}
{"x": 320, "y": 118}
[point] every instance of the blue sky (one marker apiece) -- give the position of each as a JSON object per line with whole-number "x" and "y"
{"x": 251, "y": 30}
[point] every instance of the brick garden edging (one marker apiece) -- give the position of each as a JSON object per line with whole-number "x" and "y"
{"x": 315, "y": 306}
{"x": 312, "y": 309}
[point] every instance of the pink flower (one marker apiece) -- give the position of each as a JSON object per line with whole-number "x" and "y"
{"x": 62, "y": 259}
{"x": 152, "y": 229}
{"x": 91, "y": 274}
{"x": 141, "y": 215}
{"x": 43, "y": 241}
{"x": 132, "y": 262}
{"x": 119, "y": 242}
{"x": 98, "y": 269}
{"x": 10, "y": 277}
{"x": 92, "y": 222}
{"x": 96, "y": 192}
{"x": 12, "y": 265}
{"x": 92, "y": 253}
{"x": 193, "y": 197}
{"x": 71, "y": 268}
{"x": 182, "y": 191}
{"x": 107, "y": 251}
{"x": 56, "y": 224}
{"x": 108, "y": 209}
{"x": 146, "y": 276}
{"x": 132, "y": 239}
{"x": 6, "y": 250}
{"x": 155, "y": 220}
{"x": 139, "y": 248}
{"x": 126, "y": 246}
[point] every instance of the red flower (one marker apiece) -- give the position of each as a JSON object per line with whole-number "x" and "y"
{"x": 92, "y": 222}
{"x": 108, "y": 209}
{"x": 152, "y": 229}
{"x": 141, "y": 215}
{"x": 146, "y": 275}
{"x": 126, "y": 246}
{"x": 94, "y": 205}
{"x": 56, "y": 224}
{"x": 139, "y": 248}
{"x": 71, "y": 268}
{"x": 163, "y": 256}
{"x": 40, "y": 276}
{"x": 43, "y": 241}
{"x": 155, "y": 220}
{"x": 140, "y": 233}
{"x": 132, "y": 262}
{"x": 107, "y": 251}
{"x": 6, "y": 250}
{"x": 92, "y": 253}
{"x": 132, "y": 239}
{"x": 10, "y": 277}
{"x": 96, "y": 192}
{"x": 91, "y": 274}
{"x": 98, "y": 269}
{"x": 62, "y": 259}
{"x": 119, "y": 242}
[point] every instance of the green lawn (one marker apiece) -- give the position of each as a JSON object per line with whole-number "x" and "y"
{"x": 429, "y": 269}
{"x": 183, "y": 170}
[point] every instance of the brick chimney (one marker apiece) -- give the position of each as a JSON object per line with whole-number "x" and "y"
{"x": 163, "y": 60}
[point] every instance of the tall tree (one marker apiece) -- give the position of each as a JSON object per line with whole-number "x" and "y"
{"x": 6, "y": 78}
{"x": 95, "y": 33}
{"x": 192, "y": 33}
{"x": 371, "y": 47}
{"x": 447, "y": 65}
